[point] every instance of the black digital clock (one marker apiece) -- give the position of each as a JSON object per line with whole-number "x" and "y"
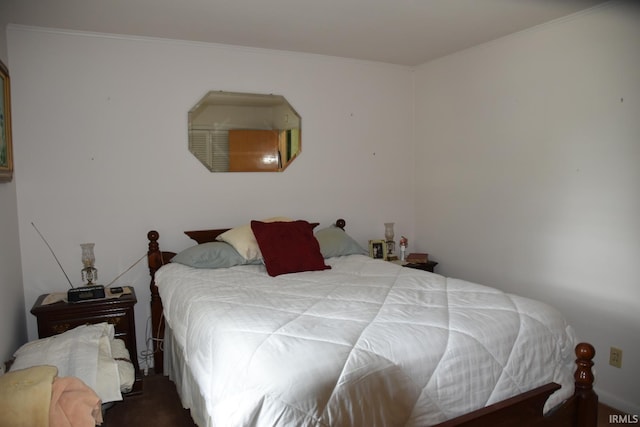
{"x": 85, "y": 293}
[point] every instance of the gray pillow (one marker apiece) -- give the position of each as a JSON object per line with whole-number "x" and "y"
{"x": 210, "y": 255}
{"x": 335, "y": 242}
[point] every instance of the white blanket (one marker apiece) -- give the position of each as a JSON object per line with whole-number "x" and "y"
{"x": 83, "y": 352}
{"x": 365, "y": 343}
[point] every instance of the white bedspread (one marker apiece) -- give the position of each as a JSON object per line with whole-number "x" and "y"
{"x": 367, "y": 343}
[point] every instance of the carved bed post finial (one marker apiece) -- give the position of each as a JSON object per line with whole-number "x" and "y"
{"x": 153, "y": 237}
{"x": 584, "y": 375}
{"x": 153, "y": 253}
{"x": 587, "y": 398}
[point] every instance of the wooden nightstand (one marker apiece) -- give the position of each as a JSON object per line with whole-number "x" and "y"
{"x": 59, "y": 317}
{"x": 426, "y": 266}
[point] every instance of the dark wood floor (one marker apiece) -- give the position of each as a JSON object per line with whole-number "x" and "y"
{"x": 159, "y": 406}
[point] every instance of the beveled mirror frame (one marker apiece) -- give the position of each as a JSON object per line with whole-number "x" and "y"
{"x": 244, "y": 132}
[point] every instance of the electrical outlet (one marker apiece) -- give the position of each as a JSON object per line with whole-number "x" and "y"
{"x": 615, "y": 357}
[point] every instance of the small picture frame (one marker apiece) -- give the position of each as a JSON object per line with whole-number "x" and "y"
{"x": 6, "y": 155}
{"x": 378, "y": 249}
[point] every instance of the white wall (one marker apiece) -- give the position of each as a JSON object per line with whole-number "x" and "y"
{"x": 100, "y": 130}
{"x": 13, "y": 332}
{"x": 528, "y": 156}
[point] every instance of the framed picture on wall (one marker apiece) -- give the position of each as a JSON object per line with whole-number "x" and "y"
{"x": 6, "y": 155}
{"x": 378, "y": 249}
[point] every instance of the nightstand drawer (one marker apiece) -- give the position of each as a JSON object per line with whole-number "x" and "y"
{"x": 426, "y": 266}
{"x": 58, "y": 323}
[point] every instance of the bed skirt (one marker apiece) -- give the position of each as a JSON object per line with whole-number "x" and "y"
{"x": 178, "y": 372}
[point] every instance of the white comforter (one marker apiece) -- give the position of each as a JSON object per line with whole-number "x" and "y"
{"x": 367, "y": 343}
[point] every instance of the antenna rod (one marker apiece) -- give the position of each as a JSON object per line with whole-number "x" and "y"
{"x": 52, "y": 253}
{"x": 121, "y": 274}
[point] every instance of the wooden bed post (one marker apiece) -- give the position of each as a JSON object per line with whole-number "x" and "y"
{"x": 587, "y": 399}
{"x": 156, "y": 259}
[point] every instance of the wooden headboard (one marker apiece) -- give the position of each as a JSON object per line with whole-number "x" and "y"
{"x": 204, "y": 236}
{"x": 156, "y": 259}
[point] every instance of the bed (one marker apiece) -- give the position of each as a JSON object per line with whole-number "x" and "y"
{"x": 355, "y": 341}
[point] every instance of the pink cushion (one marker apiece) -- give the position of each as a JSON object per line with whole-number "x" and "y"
{"x": 288, "y": 247}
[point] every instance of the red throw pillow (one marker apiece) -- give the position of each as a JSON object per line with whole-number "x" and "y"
{"x": 288, "y": 247}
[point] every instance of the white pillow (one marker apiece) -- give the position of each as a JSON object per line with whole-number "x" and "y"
{"x": 243, "y": 240}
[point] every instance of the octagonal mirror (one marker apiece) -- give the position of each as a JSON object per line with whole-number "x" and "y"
{"x": 244, "y": 132}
